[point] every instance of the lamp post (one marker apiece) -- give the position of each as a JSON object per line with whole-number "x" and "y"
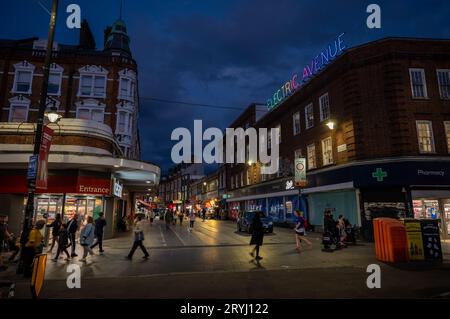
{"x": 29, "y": 209}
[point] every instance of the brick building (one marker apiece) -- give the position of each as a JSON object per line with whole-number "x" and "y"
{"x": 387, "y": 153}
{"x": 94, "y": 162}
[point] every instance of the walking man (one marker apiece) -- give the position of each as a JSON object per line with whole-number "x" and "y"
{"x": 100, "y": 223}
{"x": 72, "y": 228}
{"x": 138, "y": 239}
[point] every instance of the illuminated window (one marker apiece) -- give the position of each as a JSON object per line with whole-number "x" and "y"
{"x": 311, "y": 153}
{"x": 447, "y": 134}
{"x": 327, "y": 151}
{"x": 425, "y": 136}
{"x": 309, "y": 116}
{"x": 324, "y": 102}
{"x": 444, "y": 83}
{"x": 418, "y": 83}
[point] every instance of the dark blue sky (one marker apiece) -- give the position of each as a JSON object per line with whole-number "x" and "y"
{"x": 230, "y": 53}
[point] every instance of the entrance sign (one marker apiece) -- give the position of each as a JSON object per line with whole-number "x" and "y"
{"x": 300, "y": 172}
{"x": 333, "y": 50}
{"x": 42, "y": 171}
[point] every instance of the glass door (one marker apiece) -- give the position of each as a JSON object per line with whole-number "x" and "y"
{"x": 447, "y": 215}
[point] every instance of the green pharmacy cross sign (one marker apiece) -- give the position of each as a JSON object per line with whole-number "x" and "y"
{"x": 379, "y": 174}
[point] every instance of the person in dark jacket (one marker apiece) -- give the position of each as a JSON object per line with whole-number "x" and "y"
{"x": 63, "y": 241}
{"x": 329, "y": 228}
{"x": 55, "y": 226}
{"x": 100, "y": 223}
{"x": 257, "y": 230}
{"x": 72, "y": 228}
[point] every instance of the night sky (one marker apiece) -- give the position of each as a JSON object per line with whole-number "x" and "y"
{"x": 228, "y": 53}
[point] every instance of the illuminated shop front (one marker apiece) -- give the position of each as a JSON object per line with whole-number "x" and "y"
{"x": 278, "y": 199}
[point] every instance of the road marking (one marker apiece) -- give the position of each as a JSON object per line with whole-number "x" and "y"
{"x": 162, "y": 236}
{"x": 178, "y": 236}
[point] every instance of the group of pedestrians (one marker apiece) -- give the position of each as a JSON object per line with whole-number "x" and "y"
{"x": 337, "y": 232}
{"x": 65, "y": 235}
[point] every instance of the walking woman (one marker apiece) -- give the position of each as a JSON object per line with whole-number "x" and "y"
{"x": 56, "y": 227}
{"x": 87, "y": 237}
{"x": 138, "y": 238}
{"x": 63, "y": 241}
{"x": 191, "y": 220}
{"x": 300, "y": 230}
{"x": 257, "y": 230}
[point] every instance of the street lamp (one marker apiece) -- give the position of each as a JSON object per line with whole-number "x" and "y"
{"x": 53, "y": 115}
{"x": 330, "y": 124}
{"x": 29, "y": 208}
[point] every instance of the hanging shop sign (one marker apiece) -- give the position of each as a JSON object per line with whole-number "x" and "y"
{"x": 42, "y": 170}
{"x": 300, "y": 172}
{"x": 333, "y": 50}
{"x": 117, "y": 189}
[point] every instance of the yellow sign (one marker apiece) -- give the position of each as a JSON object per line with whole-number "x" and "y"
{"x": 414, "y": 237}
{"x": 37, "y": 280}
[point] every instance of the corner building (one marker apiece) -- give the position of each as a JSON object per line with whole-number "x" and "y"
{"x": 94, "y": 161}
{"x": 387, "y": 153}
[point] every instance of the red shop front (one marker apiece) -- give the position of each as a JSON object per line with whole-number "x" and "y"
{"x": 68, "y": 192}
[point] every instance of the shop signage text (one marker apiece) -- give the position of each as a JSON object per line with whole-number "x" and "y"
{"x": 333, "y": 50}
{"x": 430, "y": 173}
{"x": 93, "y": 190}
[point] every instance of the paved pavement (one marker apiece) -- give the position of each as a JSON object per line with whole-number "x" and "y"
{"x": 213, "y": 261}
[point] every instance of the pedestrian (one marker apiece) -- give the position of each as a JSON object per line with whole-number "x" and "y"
{"x": 257, "y": 231}
{"x": 33, "y": 246}
{"x": 4, "y": 237}
{"x": 55, "y": 226}
{"x": 168, "y": 218}
{"x": 138, "y": 239}
{"x": 63, "y": 242}
{"x": 191, "y": 220}
{"x": 174, "y": 217}
{"x": 100, "y": 224}
{"x": 203, "y": 214}
{"x": 340, "y": 231}
{"x": 151, "y": 216}
{"x": 180, "y": 217}
{"x": 300, "y": 229}
{"x": 72, "y": 229}
{"x": 87, "y": 237}
{"x": 329, "y": 229}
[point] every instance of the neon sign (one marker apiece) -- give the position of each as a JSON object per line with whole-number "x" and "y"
{"x": 333, "y": 50}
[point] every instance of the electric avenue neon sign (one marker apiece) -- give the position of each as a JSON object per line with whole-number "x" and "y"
{"x": 334, "y": 49}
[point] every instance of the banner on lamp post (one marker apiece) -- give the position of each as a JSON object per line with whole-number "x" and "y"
{"x": 300, "y": 172}
{"x": 42, "y": 170}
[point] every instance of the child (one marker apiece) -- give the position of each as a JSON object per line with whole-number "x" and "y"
{"x": 63, "y": 242}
